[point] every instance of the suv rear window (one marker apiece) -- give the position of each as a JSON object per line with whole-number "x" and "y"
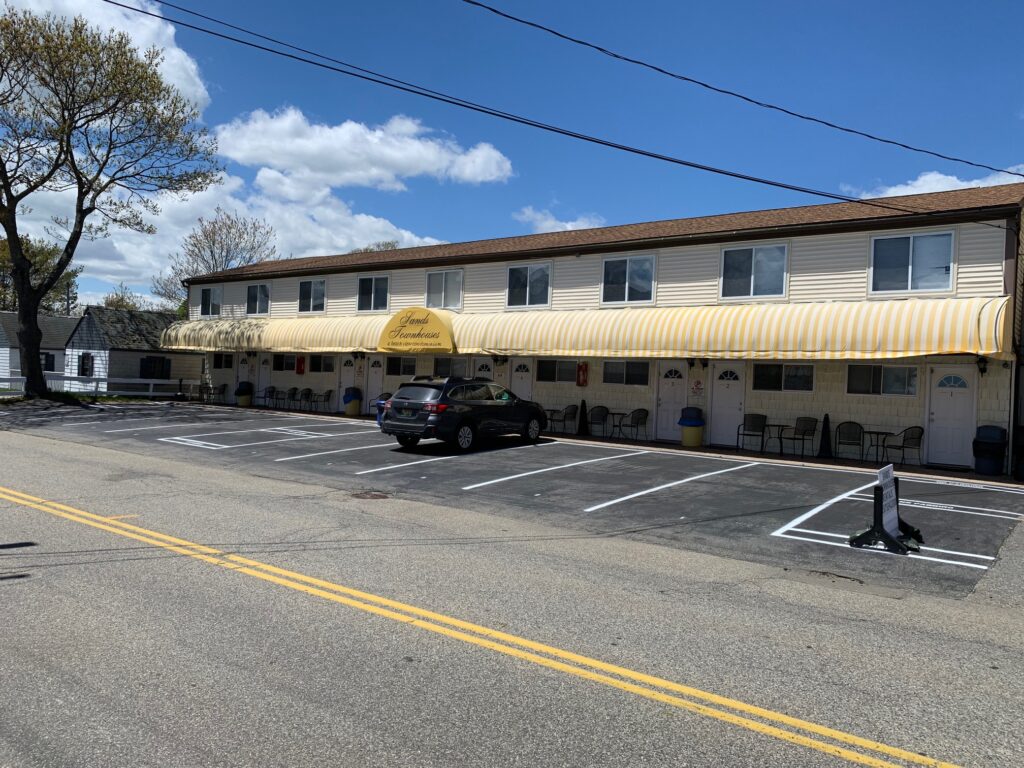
{"x": 420, "y": 394}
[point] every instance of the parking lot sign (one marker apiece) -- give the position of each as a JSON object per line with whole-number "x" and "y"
{"x": 888, "y": 531}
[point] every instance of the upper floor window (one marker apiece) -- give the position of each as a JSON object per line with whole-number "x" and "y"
{"x": 630, "y": 279}
{"x": 912, "y": 263}
{"x": 257, "y": 300}
{"x": 444, "y": 289}
{"x": 373, "y": 293}
{"x": 311, "y": 295}
{"x": 210, "y": 300}
{"x": 756, "y": 271}
{"x": 529, "y": 286}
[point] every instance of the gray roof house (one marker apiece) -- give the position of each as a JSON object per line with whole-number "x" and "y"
{"x": 124, "y": 344}
{"x": 56, "y": 332}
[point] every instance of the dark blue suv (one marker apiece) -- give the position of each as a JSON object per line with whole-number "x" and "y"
{"x": 459, "y": 411}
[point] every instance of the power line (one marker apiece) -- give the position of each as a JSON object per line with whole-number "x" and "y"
{"x": 401, "y": 85}
{"x": 735, "y": 94}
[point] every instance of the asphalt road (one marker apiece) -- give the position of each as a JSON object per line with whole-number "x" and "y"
{"x": 523, "y": 633}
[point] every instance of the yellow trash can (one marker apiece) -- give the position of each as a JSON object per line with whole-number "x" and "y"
{"x": 353, "y": 407}
{"x": 693, "y": 437}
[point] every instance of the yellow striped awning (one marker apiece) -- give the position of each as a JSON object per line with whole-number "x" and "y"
{"x": 859, "y": 330}
{"x": 301, "y": 334}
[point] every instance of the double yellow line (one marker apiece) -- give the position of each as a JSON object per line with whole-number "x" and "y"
{"x": 763, "y": 721}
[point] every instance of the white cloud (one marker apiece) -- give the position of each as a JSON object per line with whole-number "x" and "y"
{"x": 178, "y": 67}
{"x": 933, "y": 181}
{"x": 545, "y": 221}
{"x": 299, "y": 159}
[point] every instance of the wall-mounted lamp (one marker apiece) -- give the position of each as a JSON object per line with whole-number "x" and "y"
{"x": 704, "y": 362}
{"x": 691, "y": 362}
{"x": 266, "y": 361}
{"x": 499, "y": 359}
{"x": 982, "y": 365}
{"x": 358, "y": 355}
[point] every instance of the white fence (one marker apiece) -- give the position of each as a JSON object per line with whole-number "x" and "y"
{"x": 96, "y": 386}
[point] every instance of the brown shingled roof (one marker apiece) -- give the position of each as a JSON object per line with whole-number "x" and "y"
{"x": 996, "y": 201}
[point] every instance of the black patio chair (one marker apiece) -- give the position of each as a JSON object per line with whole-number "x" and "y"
{"x": 291, "y": 398}
{"x": 754, "y": 425}
{"x": 908, "y": 440}
{"x": 323, "y": 398}
{"x": 565, "y": 417}
{"x": 635, "y": 421}
{"x": 306, "y": 399}
{"x": 267, "y": 396}
{"x": 804, "y": 429}
{"x": 598, "y": 417}
{"x": 850, "y": 433}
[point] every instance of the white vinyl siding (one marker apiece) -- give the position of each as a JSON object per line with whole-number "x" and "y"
{"x": 978, "y": 270}
{"x": 484, "y": 288}
{"x": 576, "y": 283}
{"x": 688, "y": 276}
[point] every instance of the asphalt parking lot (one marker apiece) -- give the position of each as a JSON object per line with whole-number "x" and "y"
{"x": 781, "y": 514}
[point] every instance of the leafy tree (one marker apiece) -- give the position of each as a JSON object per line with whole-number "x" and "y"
{"x": 62, "y": 299}
{"x": 380, "y": 245}
{"x": 85, "y": 115}
{"x": 123, "y": 297}
{"x": 224, "y": 242}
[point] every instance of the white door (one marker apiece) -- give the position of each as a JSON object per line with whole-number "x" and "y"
{"x": 374, "y": 383}
{"x": 671, "y": 399}
{"x": 951, "y": 416}
{"x": 520, "y": 377}
{"x": 346, "y": 379}
{"x": 482, "y": 367}
{"x": 261, "y": 376}
{"x": 727, "y": 390}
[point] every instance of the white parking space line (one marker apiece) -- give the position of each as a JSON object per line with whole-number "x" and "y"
{"x": 339, "y": 450}
{"x": 406, "y": 464}
{"x": 220, "y": 446}
{"x": 824, "y": 505}
{"x": 179, "y": 425}
{"x": 53, "y": 416}
{"x": 963, "y": 484}
{"x": 551, "y": 469}
{"x": 911, "y": 555}
{"x": 669, "y": 485}
{"x": 958, "y": 508}
{"x": 259, "y": 429}
{"x": 923, "y": 548}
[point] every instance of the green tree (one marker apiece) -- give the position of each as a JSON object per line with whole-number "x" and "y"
{"x": 85, "y": 115}
{"x": 123, "y": 297}
{"x": 62, "y": 299}
{"x": 380, "y": 245}
{"x": 224, "y": 242}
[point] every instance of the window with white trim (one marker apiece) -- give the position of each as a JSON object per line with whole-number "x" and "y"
{"x": 626, "y": 372}
{"x": 449, "y": 366}
{"x": 529, "y": 286}
{"x": 783, "y": 377}
{"x": 444, "y": 289}
{"x": 881, "y": 379}
{"x": 321, "y": 364}
{"x": 401, "y": 366}
{"x": 758, "y": 270}
{"x": 85, "y": 364}
{"x": 556, "y": 370}
{"x": 210, "y": 301}
{"x": 311, "y": 295}
{"x": 257, "y": 299}
{"x": 284, "y": 363}
{"x": 912, "y": 263}
{"x": 628, "y": 280}
{"x": 373, "y": 293}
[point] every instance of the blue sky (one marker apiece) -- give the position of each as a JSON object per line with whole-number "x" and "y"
{"x": 333, "y": 162}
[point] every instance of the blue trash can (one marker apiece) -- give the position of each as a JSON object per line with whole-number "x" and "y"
{"x": 692, "y": 422}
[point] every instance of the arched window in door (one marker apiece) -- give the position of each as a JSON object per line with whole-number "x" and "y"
{"x": 728, "y": 375}
{"x": 952, "y": 382}
{"x": 673, "y": 373}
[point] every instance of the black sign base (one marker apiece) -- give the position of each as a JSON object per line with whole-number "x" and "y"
{"x": 905, "y": 539}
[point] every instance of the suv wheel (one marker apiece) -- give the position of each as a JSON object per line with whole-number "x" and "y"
{"x": 531, "y": 430}
{"x": 465, "y": 436}
{"x": 408, "y": 441}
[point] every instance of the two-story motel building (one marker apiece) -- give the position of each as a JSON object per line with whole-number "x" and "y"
{"x": 897, "y": 315}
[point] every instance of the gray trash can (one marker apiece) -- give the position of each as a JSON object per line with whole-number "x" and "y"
{"x": 989, "y": 450}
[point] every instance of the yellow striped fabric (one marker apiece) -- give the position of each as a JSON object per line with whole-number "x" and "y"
{"x": 303, "y": 334}
{"x": 860, "y": 330}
